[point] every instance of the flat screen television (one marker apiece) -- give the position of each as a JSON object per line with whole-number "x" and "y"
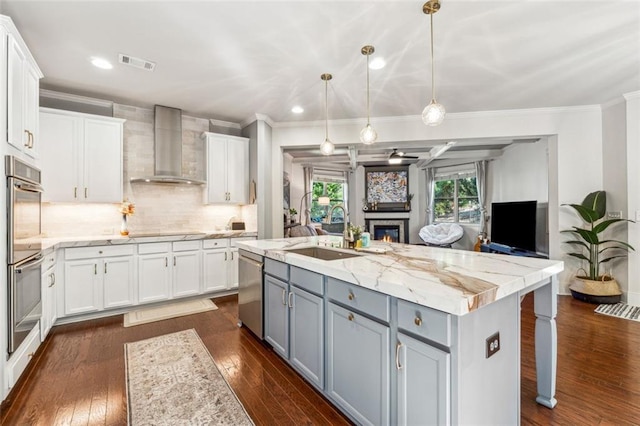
{"x": 514, "y": 224}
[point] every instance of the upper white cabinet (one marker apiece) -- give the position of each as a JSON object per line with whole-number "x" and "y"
{"x": 81, "y": 157}
{"x": 227, "y": 169}
{"x": 22, "y": 90}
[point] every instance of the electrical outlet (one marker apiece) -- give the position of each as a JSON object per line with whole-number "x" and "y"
{"x": 493, "y": 344}
{"x": 614, "y": 215}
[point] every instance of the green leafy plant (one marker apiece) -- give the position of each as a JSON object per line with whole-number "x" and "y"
{"x": 593, "y": 250}
{"x": 293, "y": 211}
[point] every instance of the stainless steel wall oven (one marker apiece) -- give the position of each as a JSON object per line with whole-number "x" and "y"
{"x": 24, "y": 238}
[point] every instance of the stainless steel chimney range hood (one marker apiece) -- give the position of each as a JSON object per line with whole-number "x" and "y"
{"x": 167, "y": 149}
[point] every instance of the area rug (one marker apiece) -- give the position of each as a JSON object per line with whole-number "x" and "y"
{"x": 172, "y": 380}
{"x": 157, "y": 313}
{"x": 620, "y": 310}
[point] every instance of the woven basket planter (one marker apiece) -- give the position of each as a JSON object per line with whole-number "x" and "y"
{"x": 605, "y": 290}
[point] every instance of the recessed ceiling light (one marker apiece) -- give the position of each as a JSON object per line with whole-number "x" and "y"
{"x": 377, "y": 63}
{"x": 101, "y": 63}
{"x": 297, "y": 109}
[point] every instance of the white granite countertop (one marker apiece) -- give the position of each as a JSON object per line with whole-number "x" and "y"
{"x": 453, "y": 281}
{"x": 107, "y": 240}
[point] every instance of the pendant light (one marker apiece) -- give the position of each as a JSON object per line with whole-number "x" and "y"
{"x": 326, "y": 147}
{"x": 368, "y": 135}
{"x": 434, "y": 113}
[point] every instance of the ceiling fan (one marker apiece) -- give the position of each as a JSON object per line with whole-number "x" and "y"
{"x": 396, "y": 157}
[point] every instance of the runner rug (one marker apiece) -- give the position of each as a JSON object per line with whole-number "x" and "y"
{"x": 172, "y": 380}
{"x": 620, "y": 310}
{"x": 162, "y": 312}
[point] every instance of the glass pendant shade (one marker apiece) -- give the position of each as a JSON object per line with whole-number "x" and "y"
{"x": 433, "y": 114}
{"x": 368, "y": 135}
{"x": 327, "y": 147}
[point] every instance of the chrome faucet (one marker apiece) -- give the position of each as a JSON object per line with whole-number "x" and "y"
{"x": 346, "y": 235}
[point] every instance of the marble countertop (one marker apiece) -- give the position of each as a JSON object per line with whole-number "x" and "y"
{"x": 107, "y": 240}
{"x": 453, "y": 281}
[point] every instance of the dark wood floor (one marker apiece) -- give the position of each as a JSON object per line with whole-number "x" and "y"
{"x": 78, "y": 374}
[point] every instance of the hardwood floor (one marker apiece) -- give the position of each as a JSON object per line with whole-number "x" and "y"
{"x": 77, "y": 376}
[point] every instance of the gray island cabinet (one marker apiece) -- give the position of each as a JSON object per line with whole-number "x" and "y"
{"x": 416, "y": 335}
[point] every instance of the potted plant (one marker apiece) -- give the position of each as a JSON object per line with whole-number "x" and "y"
{"x": 292, "y": 214}
{"x": 594, "y": 286}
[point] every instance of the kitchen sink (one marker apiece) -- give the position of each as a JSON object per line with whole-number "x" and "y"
{"x": 323, "y": 253}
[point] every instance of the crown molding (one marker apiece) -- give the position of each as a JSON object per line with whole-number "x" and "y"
{"x": 257, "y": 116}
{"x": 222, "y": 123}
{"x": 51, "y": 94}
{"x": 450, "y": 116}
{"x": 632, "y": 95}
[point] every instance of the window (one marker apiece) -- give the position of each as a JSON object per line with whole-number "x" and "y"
{"x": 456, "y": 199}
{"x": 336, "y": 191}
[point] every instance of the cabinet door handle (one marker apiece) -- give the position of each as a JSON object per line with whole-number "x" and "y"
{"x": 28, "y": 138}
{"x": 95, "y": 269}
{"x": 417, "y": 321}
{"x": 174, "y": 260}
{"x": 75, "y": 192}
{"x": 85, "y": 193}
{"x": 225, "y": 256}
{"x": 284, "y": 292}
{"x": 350, "y": 317}
{"x": 351, "y": 296}
{"x": 166, "y": 262}
{"x": 231, "y": 255}
{"x": 290, "y": 300}
{"x": 105, "y": 267}
{"x": 31, "y": 139}
{"x": 53, "y": 279}
{"x": 398, "y": 346}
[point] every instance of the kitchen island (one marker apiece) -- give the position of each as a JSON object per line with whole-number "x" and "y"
{"x": 405, "y": 334}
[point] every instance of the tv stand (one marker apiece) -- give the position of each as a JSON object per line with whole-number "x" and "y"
{"x": 503, "y": 249}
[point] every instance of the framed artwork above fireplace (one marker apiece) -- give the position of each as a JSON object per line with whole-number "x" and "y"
{"x": 387, "y": 188}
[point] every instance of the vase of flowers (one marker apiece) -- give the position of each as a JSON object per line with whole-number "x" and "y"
{"x": 127, "y": 208}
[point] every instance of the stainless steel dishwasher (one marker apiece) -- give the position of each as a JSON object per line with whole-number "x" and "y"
{"x": 250, "y": 292}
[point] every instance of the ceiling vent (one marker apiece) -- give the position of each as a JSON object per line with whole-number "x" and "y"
{"x": 136, "y": 62}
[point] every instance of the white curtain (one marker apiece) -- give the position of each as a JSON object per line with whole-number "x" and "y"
{"x": 430, "y": 174}
{"x": 307, "y": 172}
{"x": 481, "y": 184}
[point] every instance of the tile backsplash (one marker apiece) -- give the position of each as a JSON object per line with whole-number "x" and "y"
{"x": 159, "y": 207}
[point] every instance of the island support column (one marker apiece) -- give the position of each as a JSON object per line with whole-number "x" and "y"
{"x": 546, "y": 309}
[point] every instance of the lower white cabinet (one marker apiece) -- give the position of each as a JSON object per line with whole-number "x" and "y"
{"x": 154, "y": 277}
{"x": 423, "y": 383}
{"x": 95, "y": 284}
{"x": 186, "y": 273}
{"x": 49, "y": 296}
{"x": 19, "y": 360}
{"x": 358, "y": 365}
{"x": 169, "y": 270}
{"x": 97, "y": 278}
{"x": 215, "y": 269}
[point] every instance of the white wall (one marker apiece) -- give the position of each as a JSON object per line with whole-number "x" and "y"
{"x": 574, "y": 135}
{"x": 614, "y": 154}
{"x": 633, "y": 194}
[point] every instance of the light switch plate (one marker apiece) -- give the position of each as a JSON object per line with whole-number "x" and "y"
{"x": 614, "y": 215}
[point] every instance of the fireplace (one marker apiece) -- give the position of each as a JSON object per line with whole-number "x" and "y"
{"x": 386, "y": 233}
{"x": 392, "y": 230}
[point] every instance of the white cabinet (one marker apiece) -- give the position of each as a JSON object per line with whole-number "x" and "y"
{"x": 186, "y": 268}
{"x": 215, "y": 264}
{"x": 169, "y": 270}
{"x": 49, "y": 298}
{"x": 154, "y": 277}
{"x": 19, "y": 360}
{"x": 23, "y": 81}
{"x": 227, "y": 169}
{"x": 220, "y": 260}
{"x": 81, "y": 156}
{"x": 97, "y": 278}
